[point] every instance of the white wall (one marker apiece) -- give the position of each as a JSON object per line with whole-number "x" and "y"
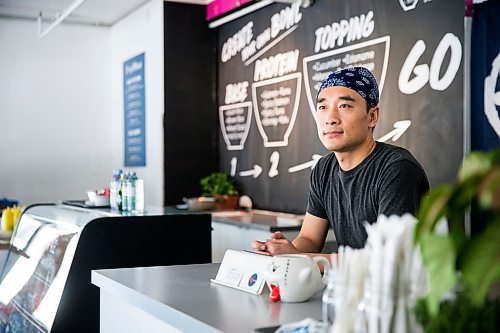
{"x": 55, "y": 114}
{"x": 140, "y": 32}
{"x": 61, "y": 106}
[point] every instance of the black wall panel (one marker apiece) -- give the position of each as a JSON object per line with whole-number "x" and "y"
{"x": 190, "y": 120}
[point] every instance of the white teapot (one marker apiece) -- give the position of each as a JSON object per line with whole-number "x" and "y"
{"x": 297, "y": 276}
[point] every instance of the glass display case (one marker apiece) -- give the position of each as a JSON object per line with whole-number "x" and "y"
{"x": 45, "y": 282}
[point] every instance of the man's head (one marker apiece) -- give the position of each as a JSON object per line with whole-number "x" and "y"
{"x": 347, "y": 110}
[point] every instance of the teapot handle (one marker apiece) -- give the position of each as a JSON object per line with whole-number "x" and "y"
{"x": 326, "y": 264}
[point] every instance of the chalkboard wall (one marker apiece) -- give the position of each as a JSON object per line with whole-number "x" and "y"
{"x": 271, "y": 62}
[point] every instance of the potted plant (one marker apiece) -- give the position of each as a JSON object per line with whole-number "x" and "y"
{"x": 464, "y": 268}
{"x": 221, "y": 186}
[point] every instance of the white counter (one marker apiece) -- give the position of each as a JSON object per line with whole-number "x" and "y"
{"x": 182, "y": 298}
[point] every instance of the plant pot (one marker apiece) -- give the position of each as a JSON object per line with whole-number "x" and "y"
{"x": 201, "y": 203}
{"x": 226, "y": 202}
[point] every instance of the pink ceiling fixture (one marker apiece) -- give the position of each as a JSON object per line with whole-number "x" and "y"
{"x": 219, "y": 7}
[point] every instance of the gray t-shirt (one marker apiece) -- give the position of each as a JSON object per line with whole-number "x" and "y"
{"x": 389, "y": 181}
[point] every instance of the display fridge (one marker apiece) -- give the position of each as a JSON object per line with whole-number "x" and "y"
{"x": 45, "y": 280}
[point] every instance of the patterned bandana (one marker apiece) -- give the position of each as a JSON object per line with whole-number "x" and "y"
{"x": 359, "y": 79}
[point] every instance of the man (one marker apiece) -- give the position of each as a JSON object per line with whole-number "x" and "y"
{"x": 360, "y": 179}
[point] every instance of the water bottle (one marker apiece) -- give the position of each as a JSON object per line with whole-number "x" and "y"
{"x": 120, "y": 197}
{"x": 131, "y": 191}
{"x": 114, "y": 187}
{"x": 125, "y": 191}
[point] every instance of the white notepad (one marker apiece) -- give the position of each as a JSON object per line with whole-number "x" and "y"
{"x": 243, "y": 270}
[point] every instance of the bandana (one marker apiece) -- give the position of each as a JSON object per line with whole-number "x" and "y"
{"x": 359, "y": 79}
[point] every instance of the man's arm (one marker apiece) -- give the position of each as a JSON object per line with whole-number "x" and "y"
{"x": 310, "y": 239}
{"x": 312, "y": 235}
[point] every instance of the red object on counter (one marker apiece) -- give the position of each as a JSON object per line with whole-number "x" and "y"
{"x": 275, "y": 293}
{"x": 103, "y": 191}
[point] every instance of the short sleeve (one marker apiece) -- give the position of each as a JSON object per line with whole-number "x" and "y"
{"x": 401, "y": 188}
{"x": 315, "y": 205}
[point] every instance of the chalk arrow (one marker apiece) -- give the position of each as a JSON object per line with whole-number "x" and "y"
{"x": 234, "y": 161}
{"x": 255, "y": 172}
{"x": 399, "y": 128}
{"x": 309, "y": 164}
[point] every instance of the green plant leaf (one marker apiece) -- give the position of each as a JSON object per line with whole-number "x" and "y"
{"x": 218, "y": 183}
{"x": 476, "y": 163}
{"x": 439, "y": 259}
{"x": 481, "y": 263}
{"x": 476, "y": 257}
{"x": 458, "y": 314}
{"x": 489, "y": 193}
{"x": 432, "y": 208}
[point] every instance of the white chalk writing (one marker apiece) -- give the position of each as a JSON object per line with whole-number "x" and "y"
{"x": 285, "y": 19}
{"x": 236, "y": 92}
{"x": 335, "y": 34}
{"x": 237, "y": 42}
{"x": 273, "y": 106}
{"x": 277, "y": 65}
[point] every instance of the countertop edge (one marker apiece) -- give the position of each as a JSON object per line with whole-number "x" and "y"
{"x": 265, "y": 227}
{"x": 157, "y": 309}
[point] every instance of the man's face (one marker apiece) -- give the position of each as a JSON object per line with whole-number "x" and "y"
{"x": 343, "y": 120}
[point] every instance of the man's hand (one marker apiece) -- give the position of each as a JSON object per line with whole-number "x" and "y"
{"x": 278, "y": 244}
{"x": 261, "y": 247}
{"x": 310, "y": 239}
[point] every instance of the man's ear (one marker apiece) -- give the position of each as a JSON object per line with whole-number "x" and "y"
{"x": 373, "y": 114}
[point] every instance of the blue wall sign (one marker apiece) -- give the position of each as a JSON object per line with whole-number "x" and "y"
{"x": 134, "y": 88}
